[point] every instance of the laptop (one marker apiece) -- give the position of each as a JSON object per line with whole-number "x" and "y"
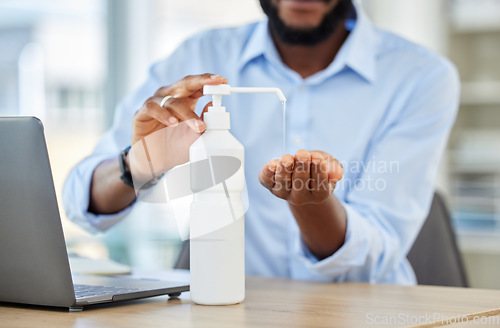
{"x": 34, "y": 266}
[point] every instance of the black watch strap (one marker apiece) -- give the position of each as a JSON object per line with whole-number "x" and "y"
{"x": 126, "y": 174}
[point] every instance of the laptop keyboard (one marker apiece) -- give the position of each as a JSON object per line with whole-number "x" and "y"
{"x": 83, "y": 291}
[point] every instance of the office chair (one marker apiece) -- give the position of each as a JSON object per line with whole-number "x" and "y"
{"x": 434, "y": 255}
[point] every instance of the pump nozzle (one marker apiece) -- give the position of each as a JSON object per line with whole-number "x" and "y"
{"x": 225, "y": 90}
{"x": 277, "y": 91}
{"x": 216, "y": 117}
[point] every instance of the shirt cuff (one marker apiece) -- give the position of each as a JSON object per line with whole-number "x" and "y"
{"x": 360, "y": 238}
{"x": 76, "y": 197}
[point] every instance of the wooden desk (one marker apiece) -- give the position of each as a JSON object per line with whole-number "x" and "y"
{"x": 275, "y": 303}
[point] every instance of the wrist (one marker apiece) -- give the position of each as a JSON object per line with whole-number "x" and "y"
{"x": 310, "y": 204}
{"x": 323, "y": 227}
{"x": 126, "y": 161}
{"x": 126, "y": 175}
{"x": 141, "y": 175}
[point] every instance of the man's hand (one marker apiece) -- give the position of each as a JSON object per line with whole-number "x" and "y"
{"x": 186, "y": 92}
{"x": 160, "y": 140}
{"x": 306, "y": 178}
{"x": 307, "y": 181}
{"x": 161, "y": 136}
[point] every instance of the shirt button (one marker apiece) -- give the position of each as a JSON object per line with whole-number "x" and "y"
{"x": 297, "y": 140}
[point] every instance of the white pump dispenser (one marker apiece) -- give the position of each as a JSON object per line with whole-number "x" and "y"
{"x": 217, "y": 227}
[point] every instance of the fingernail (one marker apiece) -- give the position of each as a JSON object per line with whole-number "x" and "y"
{"x": 287, "y": 165}
{"x": 200, "y": 125}
{"x": 272, "y": 168}
{"x": 192, "y": 125}
{"x": 316, "y": 161}
{"x": 214, "y": 76}
{"x": 173, "y": 120}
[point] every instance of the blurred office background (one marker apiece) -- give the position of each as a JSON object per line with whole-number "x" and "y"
{"x": 70, "y": 62}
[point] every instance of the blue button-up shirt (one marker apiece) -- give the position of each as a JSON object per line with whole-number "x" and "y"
{"x": 384, "y": 107}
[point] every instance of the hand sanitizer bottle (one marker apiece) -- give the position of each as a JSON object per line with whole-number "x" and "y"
{"x": 217, "y": 226}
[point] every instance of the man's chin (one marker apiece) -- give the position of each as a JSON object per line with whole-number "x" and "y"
{"x": 297, "y": 19}
{"x": 300, "y": 27}
{"x": 297, "y": 31}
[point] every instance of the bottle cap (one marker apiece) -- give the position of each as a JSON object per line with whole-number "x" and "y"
{"x": 217, "y": 118}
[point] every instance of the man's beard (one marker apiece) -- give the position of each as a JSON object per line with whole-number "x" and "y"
{"x": 306, "y": 36}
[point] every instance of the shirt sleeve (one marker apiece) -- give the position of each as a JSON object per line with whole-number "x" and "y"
{"x": 76, "y": 190}
{"x": 387, "y": 206}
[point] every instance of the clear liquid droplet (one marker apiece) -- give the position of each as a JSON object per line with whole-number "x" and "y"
{"x": 284, "y": 126}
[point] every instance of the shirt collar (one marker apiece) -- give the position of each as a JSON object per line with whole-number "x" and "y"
{"x": 360, "y": 46}
{"x": 358, "y": 51}
{"x": 256, "y": 44}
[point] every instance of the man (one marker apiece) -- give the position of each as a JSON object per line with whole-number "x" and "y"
{"x": 380, "y": 105}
